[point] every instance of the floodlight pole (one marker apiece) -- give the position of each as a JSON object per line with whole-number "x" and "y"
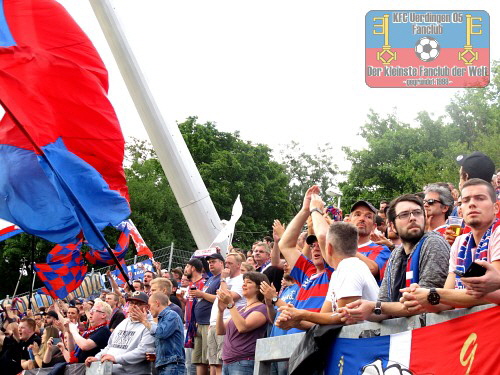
{"x": 179, "y": 167}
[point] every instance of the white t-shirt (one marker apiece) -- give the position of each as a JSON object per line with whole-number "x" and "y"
{"x": 234, "y": 285}
{"x": 352, "y": 278}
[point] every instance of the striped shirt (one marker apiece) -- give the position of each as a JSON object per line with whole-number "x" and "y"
{"x": 378, "y": 253}
{"x": 313, "y": 286}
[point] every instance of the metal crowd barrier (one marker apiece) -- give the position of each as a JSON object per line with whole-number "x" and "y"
{"x": 97, "y": 368}
{"x": 280, "y": 348}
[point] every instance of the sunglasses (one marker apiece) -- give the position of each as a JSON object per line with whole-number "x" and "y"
{"x": 430, "y": 202}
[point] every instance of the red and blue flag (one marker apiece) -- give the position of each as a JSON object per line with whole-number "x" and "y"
{"x": 465, "y": 345}
{"x": 61, "y": 146}
{"x": 64, "y": 271}
{"x": 8, "y": 230}
{"x": 101, "y": 257}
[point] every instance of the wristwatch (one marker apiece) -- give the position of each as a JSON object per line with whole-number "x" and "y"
{"x": 274, "y": 300}
{"x": 378, "y": 308}
{"x": 230, "y": 306}
{"x": 433, "y": 297}
{"x": 315, "y": 209}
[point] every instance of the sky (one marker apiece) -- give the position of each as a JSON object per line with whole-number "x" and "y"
{"x": 275, "y": 71}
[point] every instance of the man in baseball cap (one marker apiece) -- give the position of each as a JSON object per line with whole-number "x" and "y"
{"x": 475, "y": 165}
{"x": 130, "y": 341}
{"x": 363, "y": 217}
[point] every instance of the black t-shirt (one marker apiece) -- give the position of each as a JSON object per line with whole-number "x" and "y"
{"x": 177, "y": 309}
{"x": 57, "y": 357}
{"x": 274, "y": 274}
{"x": 116, "y": 319}
{"x": 25, "y": 344}
{"x": 10, "y": 357}
{"x": 100, "y": 337}
{"x": 400, "y": 279}
{"x": 175, "y": 299}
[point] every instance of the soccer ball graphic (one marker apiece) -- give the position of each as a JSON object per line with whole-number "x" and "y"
{"x": 427, "y": 49}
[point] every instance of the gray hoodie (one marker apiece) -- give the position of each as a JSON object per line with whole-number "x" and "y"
{"x": 129, "y": 343}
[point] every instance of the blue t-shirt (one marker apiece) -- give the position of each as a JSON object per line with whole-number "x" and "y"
{"x": 203, "y": 308}
{"x": 288, "y": 296}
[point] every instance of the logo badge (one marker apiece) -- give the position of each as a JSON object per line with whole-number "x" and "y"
{"x": 418, "y": 48}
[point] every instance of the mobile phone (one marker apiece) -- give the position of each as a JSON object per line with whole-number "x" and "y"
{"x": 30, "y": 352}
{"x": 56, "y": 340}
{"x": 474, "y": 270}
{"x": 193, "y": 288}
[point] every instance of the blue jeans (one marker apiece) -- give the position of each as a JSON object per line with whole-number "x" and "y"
{"x": 172, "y": 369}
{"x": 238, "y": 368}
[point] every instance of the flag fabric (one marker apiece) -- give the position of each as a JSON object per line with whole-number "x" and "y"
{"x": 465, "y": 345}
{"x": 228, "y": 229}
{"x": 61, "y": 146}
{"x": 8, "y": 230}
{"x": 64, "y": 271}
{"x": 101, "y": 257}
{"x": 134, "y": 271}
{"x": 140, "y": 245}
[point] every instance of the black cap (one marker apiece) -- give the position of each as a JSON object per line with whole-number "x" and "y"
{"x": 216, "y": 256}
{"x": 53, "y": 314}
{"x": 311, "y": 239}
{"x": 138, "y": 296}
{"x": 366, "y": 204}
{"x": 477, "y": 165}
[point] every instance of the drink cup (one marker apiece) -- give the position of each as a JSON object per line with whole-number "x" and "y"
{"x": 455, "y": 223}
{"x": 151, "y": 357}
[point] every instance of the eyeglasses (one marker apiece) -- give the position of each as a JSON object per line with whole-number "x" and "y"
{"x": 95, "y": 310}
{"x": 405, "y": 215}
{"x": 430, "y": 202}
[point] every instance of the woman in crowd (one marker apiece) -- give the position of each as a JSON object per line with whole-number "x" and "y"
{"x": 47, "y": 355}
{"x": 246, "y": 325}
{"x": 246, "y": 267}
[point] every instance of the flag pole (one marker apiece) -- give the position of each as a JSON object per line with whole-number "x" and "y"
{"x": 32, "y": 270}
{"x": 71, "y": 196}
{"x": 176, "y": 160}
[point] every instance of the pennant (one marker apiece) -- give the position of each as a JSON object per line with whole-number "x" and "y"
{"x": 140, "y": 245}
{"x": 61, "y": 147}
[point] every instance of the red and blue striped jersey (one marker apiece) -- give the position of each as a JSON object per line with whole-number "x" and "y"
{"x": 313, "y": 285}
{"x": 378, "y": 253}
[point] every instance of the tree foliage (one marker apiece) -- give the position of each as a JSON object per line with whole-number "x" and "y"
{"x": 228, "y": 166}
{"x": 403, "y": 158}
{"x": 305, "y": 169}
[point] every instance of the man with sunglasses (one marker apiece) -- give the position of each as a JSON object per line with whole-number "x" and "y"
{"x": 438, "y": 204}
{"x": 422, "y": 258}
{"x": 90, "y": 342}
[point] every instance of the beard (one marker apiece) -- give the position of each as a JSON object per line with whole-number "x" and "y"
{"x": 412, "y": 237}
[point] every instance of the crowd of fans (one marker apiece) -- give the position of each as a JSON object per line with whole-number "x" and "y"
{"x": 405, "y": 258}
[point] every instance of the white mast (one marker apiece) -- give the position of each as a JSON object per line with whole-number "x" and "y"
{"x": 175, "y": 158}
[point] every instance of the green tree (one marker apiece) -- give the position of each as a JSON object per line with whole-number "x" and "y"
{"x": 403, "y": 158}
{"x": 230, "y": 166}
{"x": 155, "y": 211}
{"x": 305, "y": 170}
